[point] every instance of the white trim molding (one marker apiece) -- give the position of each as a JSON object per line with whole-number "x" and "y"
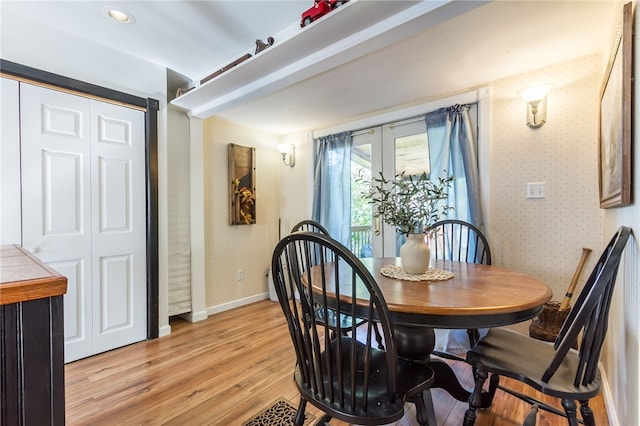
{"x": 237, "y": 303}
{"x": 612, "y": 415}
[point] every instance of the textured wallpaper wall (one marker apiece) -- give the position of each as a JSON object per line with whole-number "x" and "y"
{"x": 621, "y": 354}
{"x": 544, "y": 237}
{"x": 541, "y": 237}
{"x": 241, "y": 247}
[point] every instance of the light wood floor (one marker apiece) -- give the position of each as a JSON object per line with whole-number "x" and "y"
{"x": 224, "y": 370}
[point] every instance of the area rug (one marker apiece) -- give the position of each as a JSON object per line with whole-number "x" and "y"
{"x": 280, "y": 413}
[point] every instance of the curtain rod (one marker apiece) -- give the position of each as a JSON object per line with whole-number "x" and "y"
{"x": 470, "y": 97}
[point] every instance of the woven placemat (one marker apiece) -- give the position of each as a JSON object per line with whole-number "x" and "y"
{"x": 279, "y": 413}
{"x": 432, "y": 274}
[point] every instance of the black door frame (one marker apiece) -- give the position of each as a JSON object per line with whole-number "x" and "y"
{"x": 151, "y": 107}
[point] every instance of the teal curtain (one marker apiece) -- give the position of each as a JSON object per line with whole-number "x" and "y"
{"x": 332, "y": 185}
{"x": 453, "y": 151}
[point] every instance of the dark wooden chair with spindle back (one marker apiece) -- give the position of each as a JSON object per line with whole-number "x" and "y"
{"x": 554, "y": 369}
{"x": 461, "y": 241}
{"x": 346, "y": 377}
{"x": 346, "y": 320}
{"x": 310, "y": 226}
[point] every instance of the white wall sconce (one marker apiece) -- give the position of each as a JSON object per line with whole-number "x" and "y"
{"x": 288, "y": 153}
{"x": 536, "y": 98}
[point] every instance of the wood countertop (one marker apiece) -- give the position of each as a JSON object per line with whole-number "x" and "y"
{"x": 23, "y": 277}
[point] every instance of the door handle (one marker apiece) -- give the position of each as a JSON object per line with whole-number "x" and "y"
{"x": 376, "y": 225}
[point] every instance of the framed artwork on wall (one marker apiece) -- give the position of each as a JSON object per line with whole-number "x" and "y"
{"x": 614, "y": 146}
{"x": 242, "y": 185}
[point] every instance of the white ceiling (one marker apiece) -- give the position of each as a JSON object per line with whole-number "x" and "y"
{"x": 195, "y": 38}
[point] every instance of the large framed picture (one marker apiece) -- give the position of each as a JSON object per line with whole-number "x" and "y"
{"x": 242, "y": 185}
{"x": 614, "y": 153}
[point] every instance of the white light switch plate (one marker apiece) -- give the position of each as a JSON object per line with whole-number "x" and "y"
{"x": 536, "y": 190}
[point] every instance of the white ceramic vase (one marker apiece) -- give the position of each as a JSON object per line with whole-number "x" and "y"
{"x": 415, "y": 254}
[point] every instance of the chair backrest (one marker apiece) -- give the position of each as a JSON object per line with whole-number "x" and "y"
{"x": 590, "y": 313}
{"x": 459, "y": 240}
{"x": 334, "y": 371}
{"x": 311, "y": 226}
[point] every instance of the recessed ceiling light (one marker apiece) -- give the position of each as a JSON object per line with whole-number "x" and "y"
{"x": 118, "y": 15}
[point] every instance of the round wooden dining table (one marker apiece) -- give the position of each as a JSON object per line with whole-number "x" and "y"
{"x": 477, "y": 296}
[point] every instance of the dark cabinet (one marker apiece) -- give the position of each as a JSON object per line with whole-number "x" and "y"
{"x": 31, "y": 340}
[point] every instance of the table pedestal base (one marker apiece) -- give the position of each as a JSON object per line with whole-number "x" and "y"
{"x": 414, "y": 342}
{"x": 447, "y": 380}
{"x": 417, "y": 343}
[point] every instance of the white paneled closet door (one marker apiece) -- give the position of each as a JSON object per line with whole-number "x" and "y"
{"x": 9, "y": 163}
{"x": 83, "y": 212}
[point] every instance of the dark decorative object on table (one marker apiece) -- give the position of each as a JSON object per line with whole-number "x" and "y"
{"x": 261, "y": 45}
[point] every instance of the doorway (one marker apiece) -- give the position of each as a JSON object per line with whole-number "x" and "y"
{"x": 82, "y": 168}
{"x": 149, "y": 108}
{"x": 390, "y": 149}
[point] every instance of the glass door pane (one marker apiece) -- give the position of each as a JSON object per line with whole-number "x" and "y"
{"x": 405, "y": 150}
{"x": 390, "y": 149}
{"x": 365, "y": 241}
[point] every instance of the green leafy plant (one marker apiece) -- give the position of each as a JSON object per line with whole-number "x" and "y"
{"x": 409, "y": 203}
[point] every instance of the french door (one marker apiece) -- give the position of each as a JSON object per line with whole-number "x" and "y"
{"x": 389, "y": 149}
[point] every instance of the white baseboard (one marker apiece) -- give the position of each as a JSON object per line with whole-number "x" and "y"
{"x": 203, "y": 315}
{"x": 164, "y": 331}
{"x": 608, "y": 399}
{"x": 195, "y": 316}
{"x": 237, "y": 303}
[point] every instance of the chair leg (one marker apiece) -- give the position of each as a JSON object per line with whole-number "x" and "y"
{"x": 474, "y": 336}
{"x": 425, "y": 413}
{"x": 569, "y": 406}
{"x": 431, "y": 412}
{"x": 323, "y": 421}
{"x": 587, "y": 414}
{"x": 378, "y": 336}
{"x": 298, "y": 420}
{"x": 531, "y": 418}
{"x": 475, "y": 400}
{"x": 494, "y": 381}
{"x": 421, "y": 409}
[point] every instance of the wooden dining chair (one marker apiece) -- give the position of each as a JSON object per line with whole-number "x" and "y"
{"x": 346, "y": 377}
{"x": 309, "y": 225}
{"x": 461, "y": 241}
{"x": 345, "y": 320}
{"x": 555, "y": 369}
